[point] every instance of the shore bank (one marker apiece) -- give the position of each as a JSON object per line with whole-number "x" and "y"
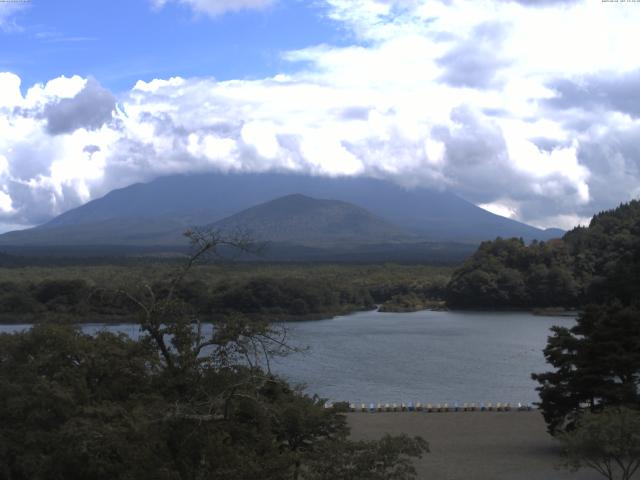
{"x": 475, "y": 445}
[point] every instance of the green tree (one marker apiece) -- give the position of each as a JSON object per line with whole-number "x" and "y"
{"x": 596, "y": 364}
{"x": 387, "y": 459}
{"x": 608, "y": 442}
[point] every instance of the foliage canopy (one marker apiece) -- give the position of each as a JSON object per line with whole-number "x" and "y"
{"x": 596, "y": 364}
{"x": 593, "y": 264}
{"x": 608, "y": 442}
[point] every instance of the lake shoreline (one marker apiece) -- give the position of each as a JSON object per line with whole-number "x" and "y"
{"x": 72, "y": 319}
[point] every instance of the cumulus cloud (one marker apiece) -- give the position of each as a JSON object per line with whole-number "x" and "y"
{"x": 476, "y": 61}
{"x": 603, "y": 92}
{"x": 90, "y": 108}
{"x": 512, "y": 107}
{"x": 217, "y": 7}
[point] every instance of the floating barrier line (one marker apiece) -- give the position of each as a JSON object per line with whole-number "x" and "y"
{"x": 434, "y": 408}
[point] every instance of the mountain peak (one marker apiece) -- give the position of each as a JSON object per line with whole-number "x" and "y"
{"x": 304, "y": 220}
{"x": 297, "y": 197}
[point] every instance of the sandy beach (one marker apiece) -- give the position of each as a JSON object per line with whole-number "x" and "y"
{"x": 475, "y": 445}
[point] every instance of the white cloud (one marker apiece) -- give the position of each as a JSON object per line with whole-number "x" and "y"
{"x": 490, "y": 99}
{"x": 566, "y": 221}
{"x": 10, "y": 88}
{"x": 8, "y": 10}
{"x": 499, "y": 209}
{"x": 6, "y": 204}
{"x": 214, "y": 8}
{"x": 262, "y": 136}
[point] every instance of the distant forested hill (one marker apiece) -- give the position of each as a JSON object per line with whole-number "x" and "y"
{"x": 589, "y": 264}
{"x": 302, "y": 220}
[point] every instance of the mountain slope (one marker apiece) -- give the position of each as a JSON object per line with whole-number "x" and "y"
{"x": 132, "y": 231}
{"x": 155, "y": 213}
{"x": 302, "y": 220}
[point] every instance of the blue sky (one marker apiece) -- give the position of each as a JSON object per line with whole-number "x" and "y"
{"x": 122, "y": 41}
{"x": 530, "y": 109}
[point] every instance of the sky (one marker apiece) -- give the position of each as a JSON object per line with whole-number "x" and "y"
{"x": 528, "y": 108}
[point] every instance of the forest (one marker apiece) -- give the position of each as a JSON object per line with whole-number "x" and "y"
{"x": 93, "y": 293}
{"x": 588, "y": 264}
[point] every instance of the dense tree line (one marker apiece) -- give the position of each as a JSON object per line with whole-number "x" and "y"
{"x": 289, "y": 296}
{"x": 271, "y": 297}
{"x": 509, "y": 273}
{"x": 278, "y": 297}
{"x": 589, "y": 264}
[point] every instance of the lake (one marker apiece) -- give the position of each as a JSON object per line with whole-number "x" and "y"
{"x": 420, "y": 357}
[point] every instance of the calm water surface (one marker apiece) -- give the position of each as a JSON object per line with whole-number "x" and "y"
{"x": 423, "y": 356}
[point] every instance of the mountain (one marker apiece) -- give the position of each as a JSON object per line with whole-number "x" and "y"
{"x": 155, "y": 213}
{"x": 129, "y": 231}
{"x": 206, "y": 198}
{"x": 302, "y": 220}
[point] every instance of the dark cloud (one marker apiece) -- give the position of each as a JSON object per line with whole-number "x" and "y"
{"x": 614, "y": 162}
{"x": 475, "y": 62}
{"x": 91, "y": 149}
{"x": 476, "y": 155}
{"x": 600, "y": 93}
{"x": 30, "y": 160}
{"x": 549, "y": 144}
{"x": 36, "y": 204}
{"x": 479, "y": 164}
{"x": 91, "y": 108}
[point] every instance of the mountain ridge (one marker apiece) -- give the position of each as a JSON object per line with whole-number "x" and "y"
{"x": 156, "y": 213}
